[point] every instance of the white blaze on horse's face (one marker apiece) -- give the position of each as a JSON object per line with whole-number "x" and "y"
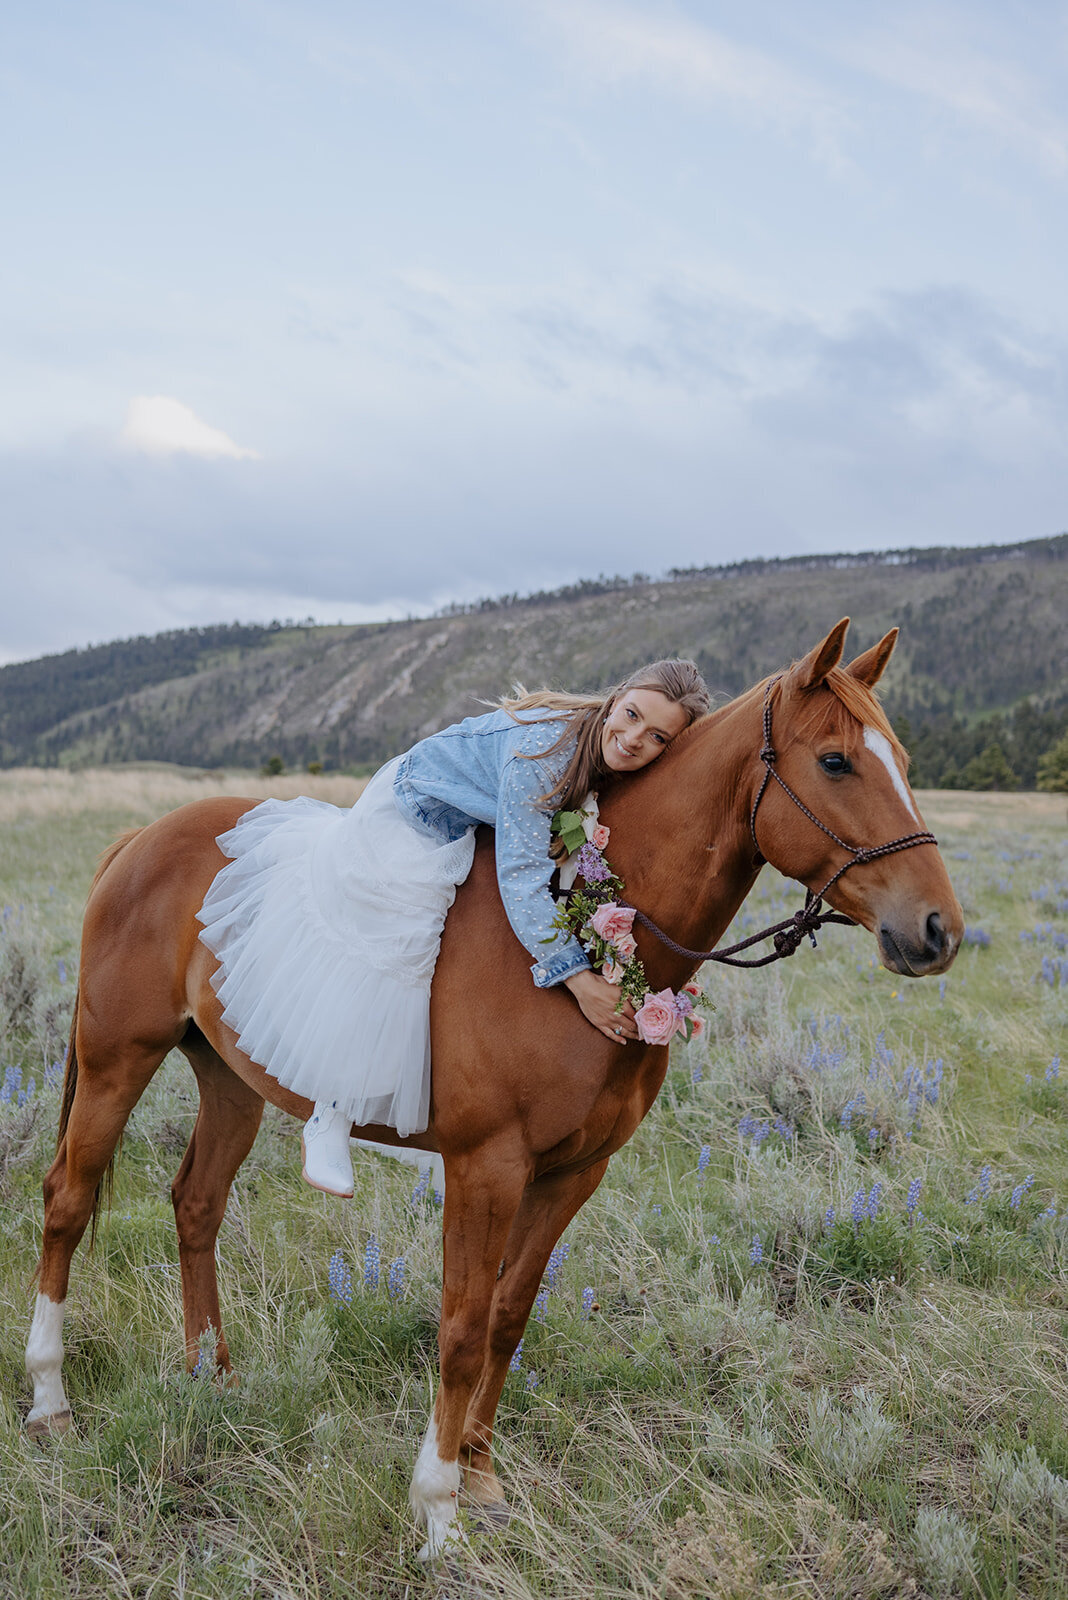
{"x": 879, "y": 745}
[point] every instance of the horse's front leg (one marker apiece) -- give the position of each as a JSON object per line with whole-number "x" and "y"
{"x": 547, "y": 1207}
{"x": 482, "y": 1194}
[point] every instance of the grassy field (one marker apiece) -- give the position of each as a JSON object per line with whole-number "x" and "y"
{"x": 809, "y": 1339}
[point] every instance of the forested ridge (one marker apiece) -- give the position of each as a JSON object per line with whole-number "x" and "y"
{"x": 978, "y": 687}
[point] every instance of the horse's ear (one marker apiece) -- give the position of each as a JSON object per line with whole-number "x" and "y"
{"x": 812, "y": 669}
{"x": 870, "y": 666}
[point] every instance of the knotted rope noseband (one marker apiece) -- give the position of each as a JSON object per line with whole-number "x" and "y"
{"x": 787, "y": 935}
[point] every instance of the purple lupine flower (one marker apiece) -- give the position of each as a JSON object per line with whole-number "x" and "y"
{"x": 828, "y": 1217}
{"x": 421, "y": 1187}
{"x": 556, "y": 1261}
{"x": 984, "y": 1181}
{"x": 541, "y": 1303}
{"x": 340, "y": 1279}
{"x": 588, "y": 1298}
{"x": 756, "y": 1251}
{"x": 395, "y": 1278}
{"x": 1020, "y": 1190}
{"x": 1053, "y": 1070}
{"x": 912, "y": 1199}
{"x": 372, "y": 1257}
{"x": 858, "y": 1207}
{"x": 873, "y": 1136}
{"x": 517, "y": 1358}
{"x": 532, "y": 1379}
{"x": 703, "y": 1159}
{"x": 592, "y": 865}
{"x": 873, "y": 1201}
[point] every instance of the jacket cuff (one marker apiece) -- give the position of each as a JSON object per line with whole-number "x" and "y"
{"x": 560, "y": 965}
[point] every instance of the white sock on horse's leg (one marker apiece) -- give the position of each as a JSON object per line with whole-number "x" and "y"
{"x": 44, "y": 1363}
{"x": 435, "y": 1495}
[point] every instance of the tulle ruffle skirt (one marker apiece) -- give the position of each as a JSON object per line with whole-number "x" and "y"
{"x": 327, "y": 925}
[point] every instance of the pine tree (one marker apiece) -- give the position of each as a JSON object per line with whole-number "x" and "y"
{"x": 1053, "y": 767}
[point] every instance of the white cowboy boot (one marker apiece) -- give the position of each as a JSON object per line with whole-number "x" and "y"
{"x": 324, "y": 1146}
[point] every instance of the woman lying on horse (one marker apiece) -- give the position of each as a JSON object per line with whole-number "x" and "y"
{"x": 327, "y": 923}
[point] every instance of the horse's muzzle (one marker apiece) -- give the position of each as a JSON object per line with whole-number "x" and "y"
{"x": 903, "y": 955}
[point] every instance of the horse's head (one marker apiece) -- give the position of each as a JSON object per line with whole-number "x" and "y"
{"x": 834, "y": 748}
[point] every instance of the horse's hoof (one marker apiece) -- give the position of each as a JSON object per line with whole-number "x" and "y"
{"x": 51, "y": 1427}
{"x": 489, "y": 1515}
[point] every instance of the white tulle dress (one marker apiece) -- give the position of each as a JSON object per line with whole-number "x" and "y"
{"x": 327, "y": 925}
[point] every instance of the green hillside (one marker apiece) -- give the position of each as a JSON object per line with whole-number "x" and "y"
{"x": 978, "y": 686}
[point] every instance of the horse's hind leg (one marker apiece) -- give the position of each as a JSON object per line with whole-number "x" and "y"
{"x": 107, "y": 1081}
{"x": 224, "y": 1133}
{"x": 548, "y": 1206}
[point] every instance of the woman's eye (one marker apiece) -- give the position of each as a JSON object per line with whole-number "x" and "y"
{"x": 835, "y": 763}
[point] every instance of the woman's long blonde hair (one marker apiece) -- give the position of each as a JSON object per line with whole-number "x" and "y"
{"x": 584, "y": 716}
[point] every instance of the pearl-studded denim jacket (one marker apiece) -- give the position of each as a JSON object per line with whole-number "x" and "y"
{"x": 474, "y": 772}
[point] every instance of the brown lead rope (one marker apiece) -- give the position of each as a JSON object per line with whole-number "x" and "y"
{"x": 789, "y": 933}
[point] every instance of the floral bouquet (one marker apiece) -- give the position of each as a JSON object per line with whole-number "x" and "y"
{"x": 597, "y": 916}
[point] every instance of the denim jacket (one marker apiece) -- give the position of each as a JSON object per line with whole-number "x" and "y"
{"x": 475, "y": 772}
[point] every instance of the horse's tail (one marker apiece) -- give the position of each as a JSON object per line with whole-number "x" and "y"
{"x": 106, "y": 1185}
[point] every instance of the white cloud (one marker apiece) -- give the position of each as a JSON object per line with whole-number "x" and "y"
{"x": 618, "y": 42}
{"x": 997, "y": 96}
{"x": 157, "y": 425}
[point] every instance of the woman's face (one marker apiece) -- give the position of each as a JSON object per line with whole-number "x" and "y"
{"x": 639, "y": 727}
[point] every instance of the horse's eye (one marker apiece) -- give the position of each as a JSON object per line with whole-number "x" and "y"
{"x": 835, "y": 763}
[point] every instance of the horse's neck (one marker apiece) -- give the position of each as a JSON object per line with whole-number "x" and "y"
{"x": 680, "y": 830}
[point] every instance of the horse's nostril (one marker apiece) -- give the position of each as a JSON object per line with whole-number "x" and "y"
{"x": 936, "y": 934}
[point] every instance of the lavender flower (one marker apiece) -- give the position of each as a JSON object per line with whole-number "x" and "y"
{"x": 592, "y": 865}
{"x": 372, "y": 1257}
{"x": 340, "y": 1279}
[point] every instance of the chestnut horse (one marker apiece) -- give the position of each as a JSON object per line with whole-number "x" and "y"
{"x": 528, "y": 1100}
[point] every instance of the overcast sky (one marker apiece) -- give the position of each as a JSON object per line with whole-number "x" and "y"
{"x": 350, "y": 309}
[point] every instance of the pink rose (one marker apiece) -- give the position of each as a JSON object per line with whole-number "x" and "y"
{"x": 599, "y": 837}
{"x": 613, "y": 971}
{"x": 625, "y": 946}
{"x": 657, "y": 1020}
{"x": 692, "y": 988}
{"x": 612, "y": 922}
{"x": 697, "y": 1026}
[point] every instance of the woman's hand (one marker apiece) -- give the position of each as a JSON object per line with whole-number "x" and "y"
{"x": 597, "y": 1000}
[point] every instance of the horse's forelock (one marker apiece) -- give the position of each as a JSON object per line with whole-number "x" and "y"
{"x": 858, "y": 701}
